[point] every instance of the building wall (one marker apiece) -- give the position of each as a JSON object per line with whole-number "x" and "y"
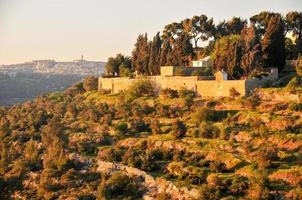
{"x": 215, "y": 88}
{"x": 116, "y": 84}
{"x": 177, "y": 82}
{"x": 167, "y": 71}
{"x": 211, "y": 88}
{"x": 201, "y": 87}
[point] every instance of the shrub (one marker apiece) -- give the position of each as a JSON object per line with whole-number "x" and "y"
{"x": 121, "y": 129}
{"x": 90, "y": 83}
{"x": 139, "y": 125}
{"x": 75, "y": 89}
{"x": 155, "y": 127}
{"x": 239, "y": 184}
{"x": 206, "y": 130}
{"x": 170, "y": 93}
{"x": 31, "y": 154}
{"x": 140, "y": 88}
{"x": 119, "y": 186}
{"x": 209, "y": 193}
{"x": 162, "y": 110}
{"x": 185, "y": 93}
{"x": 295, "y": 107}
{"x": 294, "y": 84}
{"x": 125, "y": 71}
{"x": 203, "y": 114}
{"x": 179, "y": 129}
{"x": 234, "y": 93}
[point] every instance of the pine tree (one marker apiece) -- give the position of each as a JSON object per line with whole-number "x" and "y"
{"x": 273, "y": 43}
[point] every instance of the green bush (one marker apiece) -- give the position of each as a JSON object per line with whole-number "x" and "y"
{"x": 185, "y": 93}
{"x": 294, "y": 84}
{"x": 170, "y": 93}
{"x": 155, "y": 127}
{"x": 179, "y": 129}
{"x": 125, "y": 72}
{"x": 205, "y": 114}
{"x": 234, "y": 93}
{"x": 90, "y": 83}
{"x": 119, "y": 186}
{"x": 207, "y": 130}
{"x": 139, "y": 125}
{"x": 121, "y": 130}
{"x": 143, "y": 87}
{"x": 295, "y": 107}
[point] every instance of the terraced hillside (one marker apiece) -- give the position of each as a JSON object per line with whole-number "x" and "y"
{"x": 139, "y": 145}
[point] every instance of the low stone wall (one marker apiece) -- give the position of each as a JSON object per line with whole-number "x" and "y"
{"x": 202, "y": 87}
{"x": 116, "y": 84}
{"x": 220, "y": 89}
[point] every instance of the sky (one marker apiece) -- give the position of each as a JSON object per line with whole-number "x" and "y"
{"x": 64, "y": 30}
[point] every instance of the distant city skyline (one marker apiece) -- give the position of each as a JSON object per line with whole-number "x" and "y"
{"x": 64, "y": 30}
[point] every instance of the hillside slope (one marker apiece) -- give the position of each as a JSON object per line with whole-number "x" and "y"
{"x": 136, "y": 145}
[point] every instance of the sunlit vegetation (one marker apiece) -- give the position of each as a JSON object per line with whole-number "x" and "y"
{"x": 164, "y": 144}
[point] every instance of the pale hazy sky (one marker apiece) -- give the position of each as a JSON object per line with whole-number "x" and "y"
{"x": 65, "y": 29}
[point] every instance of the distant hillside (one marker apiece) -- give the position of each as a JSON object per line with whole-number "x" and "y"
{"x": 79, "y": 67}
{"x": 22, "y": 82}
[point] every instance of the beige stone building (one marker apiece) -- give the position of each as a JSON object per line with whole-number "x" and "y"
{"x": 219, "y": 85}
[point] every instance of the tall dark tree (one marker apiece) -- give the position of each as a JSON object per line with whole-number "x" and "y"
{"x": 182, "y": 51}
{"x": 294, "y": 24}
{"x": 165, "y": 51}
{"x": 154, "y": 62}
{"x": 227, "y": 56}
{"x": 273, "y": 43}
{"x": 251, "y": 50}
{"x": 141, "y": 55}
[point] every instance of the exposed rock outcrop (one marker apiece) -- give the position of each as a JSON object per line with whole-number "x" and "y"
{"x": 153, "y": 186}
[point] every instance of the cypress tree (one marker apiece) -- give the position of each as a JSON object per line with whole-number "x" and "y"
{"x": 165, "y": 51}
{"x": 141, "y": 55}
{"x": 251, "y": 50}
{"x": 273, "y": 43}
{"x": 154, "y": 62}
{"x": 227, "y": 56}
{"x": 182, "y": 51}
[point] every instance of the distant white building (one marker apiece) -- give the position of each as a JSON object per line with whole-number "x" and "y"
{"x": 204, "y": 62}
